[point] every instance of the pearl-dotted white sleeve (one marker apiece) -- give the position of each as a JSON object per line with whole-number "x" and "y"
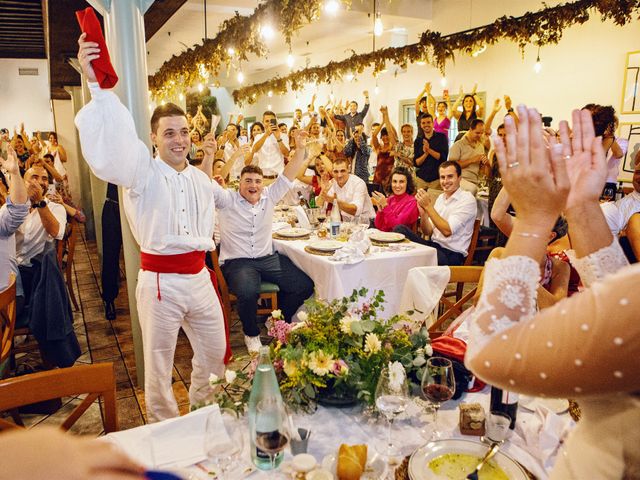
{"x": 584, "y": 345}
{"x": 599, "y": 264}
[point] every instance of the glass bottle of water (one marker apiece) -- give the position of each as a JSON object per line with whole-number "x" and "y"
{"x": 265, "y": 386}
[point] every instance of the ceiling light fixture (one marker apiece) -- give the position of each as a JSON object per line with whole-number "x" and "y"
{"x": 443, "y": 81}
{"x": 240, "y": 77}
{"x": 378, "y": 27}
{"x": 290, "y": 60}
{"x": 477, "y": 51}
{"x": 269, "y": 107}
{"x": 267, "y": 31}
{"x": 181, "y": 96}
{"x": 332, "y": 7}
{"x": 231, "y": 51}
{"x": 200, "y": 87}
{"x": 349, "y": 76}
{"x": 537, "y": 67}
{"x": 269, "y": 94}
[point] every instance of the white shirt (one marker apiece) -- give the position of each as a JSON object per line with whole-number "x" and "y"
{"x": 355, "y": 192}
{"x": 245, "y": 229}
{"x": 460, "y": 211}
{"x": 270, "y": 158}
{"x": 613, "y": 217}
{"x": 31, "y": 237}
{"x": 628, "y": 205}
{"x": 169, "y": 212}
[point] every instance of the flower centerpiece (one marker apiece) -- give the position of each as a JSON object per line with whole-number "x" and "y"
{"x": 338, "y": 349}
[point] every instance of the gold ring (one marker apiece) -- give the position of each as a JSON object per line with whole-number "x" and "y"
{"x": 512, "y": 165}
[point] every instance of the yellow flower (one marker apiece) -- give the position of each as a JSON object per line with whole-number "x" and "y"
{"x": 372, "y": 343}
{"x": 320, "y": 363}
{"x": 345, "y": 324}
{"x": 290, "y": 367}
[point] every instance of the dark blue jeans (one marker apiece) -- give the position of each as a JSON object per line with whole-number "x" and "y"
{"x": 243, "y": 275}
{"x": 445, "y": 256}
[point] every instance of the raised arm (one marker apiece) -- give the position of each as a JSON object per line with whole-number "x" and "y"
{"x": 294, "y": 166}
{"x": 209, "y": 147}
{"x": 419, "y": 97}
{"x": 492, "y": 115}
{"x": 108, "y": 136}
{"x": 454, "y": 110}
{"x": 480, "y": 110}
{"x": 499, "y": 215}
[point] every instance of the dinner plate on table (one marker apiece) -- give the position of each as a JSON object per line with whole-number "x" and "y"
{"x": 387, "y": 237}
{"x": 375, "y": 469}
{"x": 454, "y": 453}
{"x": 556, "y": 405}
{"x": 326, "y": 245}
{"x": 293, "y": 232}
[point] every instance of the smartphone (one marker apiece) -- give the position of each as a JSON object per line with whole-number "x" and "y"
{"x": 273, "y": 121}
{"x": 445, "y": 92}
{"x": 51, "y": 189}
{"x": 242, "y": 139}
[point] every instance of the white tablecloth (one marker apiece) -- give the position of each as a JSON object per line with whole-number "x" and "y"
{"x": 381, "y": 270}
{"x": 330, "y": 427}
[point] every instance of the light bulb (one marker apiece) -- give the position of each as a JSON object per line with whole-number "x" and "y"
{"x": 537, "y": 67}
{"x": 332, "y": 97}
{"x": 290, "y": 60}
{"x": 378, "y": 27}
{"x": 332, "y": 6}
{"x": 181, "y": 96}
{"x": 231, "y": 51}
{"x": 267, "y": 32}
{"x": 376, "y": 90}
{"x": 296, "y": 102}
{"x": 163, "y": 102}
{"x": 350, "y": 76}
{"x": 200, "y": 87}
{"x": 269, "y": 107}
{"x": 421, "y": 62}
{"x": 240, "y": 77}
{"x": 478, "y": 51}
{"x": 443, "y": 81}
{"x": 269, "y": 94}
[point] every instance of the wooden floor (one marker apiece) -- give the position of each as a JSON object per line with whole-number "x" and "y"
{"x": 102, "y": 340}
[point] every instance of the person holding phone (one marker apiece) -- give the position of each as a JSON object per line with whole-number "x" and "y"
{"x": 270, "y": 148}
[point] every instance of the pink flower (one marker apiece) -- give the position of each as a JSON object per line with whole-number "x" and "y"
{"x": 278, "y": 365}
{"x": 279, "y": 329}
{"x": 340, "y": 368}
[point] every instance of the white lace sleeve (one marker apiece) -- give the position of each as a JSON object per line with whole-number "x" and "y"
{"x": 599, "y": 264}
{"x": 508, "y": 297}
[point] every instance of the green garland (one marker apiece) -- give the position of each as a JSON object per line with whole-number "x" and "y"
{"x": 539, "y": 28}
{"x": 240, "y": 33}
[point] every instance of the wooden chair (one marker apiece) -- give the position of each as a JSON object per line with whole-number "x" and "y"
{"x": 447, "y": 308}
{"x": 268, "y": 291}
{"x": 7, "y": 320}
{"x": 68, "y": 245}
{"x": 467, "y": 262}
{"x": 97, "y": 380}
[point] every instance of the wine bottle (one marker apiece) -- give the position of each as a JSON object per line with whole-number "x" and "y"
{"x": 265, "y": 385}
{"x": 619, "y": 192}
{"x": 335, "y": 219}
{"x": 312, "y": 200}
{"x": 505, "y": 402}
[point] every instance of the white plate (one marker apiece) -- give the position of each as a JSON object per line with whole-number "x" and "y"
{"x": 293, "y": 232}
{"x": 556, "y": 405}
{"x": 419, "y": 461}
{"x": 375, "y": 469}
{"x": 387, "y": 237}
{"x": 327, "y": 245}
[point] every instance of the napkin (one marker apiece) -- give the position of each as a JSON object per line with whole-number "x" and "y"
{"x": 422, "y": 291}
{"x": 354, "y": 251}
{"x": 177, "y": 442}
{"x": 89, "y": 24}
{"x": 303, "y": 220}
{"x": 275, "y": 226}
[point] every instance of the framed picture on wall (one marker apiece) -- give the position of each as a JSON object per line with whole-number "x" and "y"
{"x": 630, "y": 131}
{"x": 631, "y": 86}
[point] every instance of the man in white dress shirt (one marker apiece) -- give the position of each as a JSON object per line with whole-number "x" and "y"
{"x": 170, "y": 207}
{"x": 630, "y": 204}
{"x": 246, "y": 249}
{"x": 270, "y": 148}
{"x": 450, "y": 220}
{"x": 351, "y": 192}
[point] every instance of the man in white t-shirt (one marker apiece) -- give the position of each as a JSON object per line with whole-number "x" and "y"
{"x": 350, "y": 191}
{"x": 630, "y": 204}
{"x": 449, "y": 221}
{"x": 270, "y": 148}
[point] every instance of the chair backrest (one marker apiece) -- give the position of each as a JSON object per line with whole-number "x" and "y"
{"x": 96, "y": 380}
{"x": 222, "y": 284}
{"x": 67, "y": 244}
{"x": 450, "y": 309}
{"x": 473, "y": 243}
{"x": 7, "y": 317}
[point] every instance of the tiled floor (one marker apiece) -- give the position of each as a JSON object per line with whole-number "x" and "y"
{"x": 102, "y": 340}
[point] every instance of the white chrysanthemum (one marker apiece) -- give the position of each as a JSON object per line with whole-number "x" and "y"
{"x": 396, "y": 376}
{"x": 230, "y": 376}
{"x": 277, "y": 314}
{"x": 213, "y": 378}
{"x": 303, "y": 316}
{"x": 372, "y": 343}
{"x": 320, "y": 363}
{"x": 428, "y": 349}
{"x": 298, "y": 325}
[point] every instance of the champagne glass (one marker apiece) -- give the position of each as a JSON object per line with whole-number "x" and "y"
{"x": 271, "y": 428}
{"x": 438, "y": 385}
{"x": 223, "y": 439}
{"x": 392, "y": 398}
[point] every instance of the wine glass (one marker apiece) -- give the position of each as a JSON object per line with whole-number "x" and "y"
{"x": 392, "y": 398}
{"x": 271, "y": 428}
{"x": 223, "y": 439}
{"x": 438, "y": 385}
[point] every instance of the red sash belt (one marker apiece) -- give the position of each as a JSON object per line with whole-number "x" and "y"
{"x": 185, "y": 263}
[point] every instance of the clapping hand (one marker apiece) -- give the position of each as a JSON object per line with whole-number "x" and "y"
{"x": 379, "y": 199}
{"x": 300, "y": 137}
{"x": 535, "y": 175}
{"x": 507, "y": 102}
{"x": 11, "y": 164}
{"x": 496, "y": 105}
{"x": 423, "y": 199}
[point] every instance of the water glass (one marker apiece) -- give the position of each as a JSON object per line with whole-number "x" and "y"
{"x": 223, "y": 439}
{"x": 497, "y": 427}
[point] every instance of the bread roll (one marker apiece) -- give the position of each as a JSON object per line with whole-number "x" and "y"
{"x": 352, "y": 460}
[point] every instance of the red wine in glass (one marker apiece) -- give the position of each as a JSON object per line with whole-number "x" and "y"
{"x": 437, "y": 393}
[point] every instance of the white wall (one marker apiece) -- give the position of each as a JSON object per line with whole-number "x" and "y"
{"x": 25, "y": 98}
{"x": 586, "y": 66}
{"x": 63, "y": 112}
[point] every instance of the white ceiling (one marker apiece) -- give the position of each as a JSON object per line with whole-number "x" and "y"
{"x": 347, "y": 30}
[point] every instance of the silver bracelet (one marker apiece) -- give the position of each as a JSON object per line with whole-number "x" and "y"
{"x": 529, "y": 235}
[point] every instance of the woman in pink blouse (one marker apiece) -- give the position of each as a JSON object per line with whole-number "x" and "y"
{"x": 400, "y": 208}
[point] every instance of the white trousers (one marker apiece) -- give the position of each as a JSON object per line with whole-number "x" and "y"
{"x": 190, "y": 302}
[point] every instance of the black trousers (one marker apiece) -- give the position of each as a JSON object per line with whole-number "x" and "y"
{"x": 111, "y": 246}
{"x": 445, "y": 256}
{"x": 243, "y": 275}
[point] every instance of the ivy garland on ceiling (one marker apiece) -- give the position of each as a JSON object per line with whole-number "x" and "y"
{"x": 242, "y": 34}
{"x": 539, "y": 28}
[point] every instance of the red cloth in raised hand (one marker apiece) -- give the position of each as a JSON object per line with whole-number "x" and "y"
{"x": 89, "y": 24}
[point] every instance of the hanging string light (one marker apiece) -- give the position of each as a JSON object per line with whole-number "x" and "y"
{"x": 537, "y": 67}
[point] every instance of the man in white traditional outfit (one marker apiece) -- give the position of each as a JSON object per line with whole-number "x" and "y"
{"x": 170, "y": 208}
